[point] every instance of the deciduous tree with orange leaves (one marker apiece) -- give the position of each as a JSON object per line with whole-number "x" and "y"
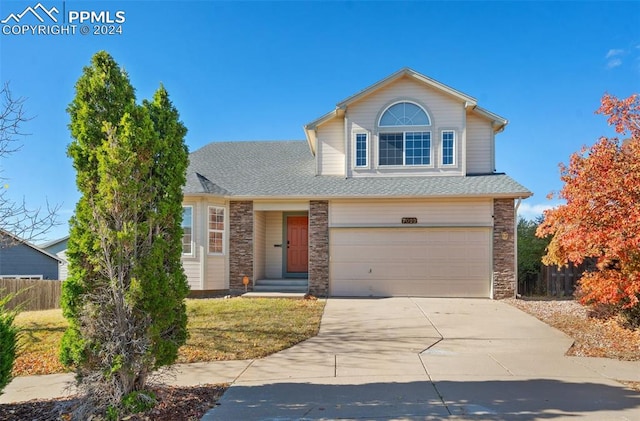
{"x": 601, "y": 216}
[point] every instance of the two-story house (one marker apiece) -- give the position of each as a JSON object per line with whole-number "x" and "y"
{"x": 394, "y": 192}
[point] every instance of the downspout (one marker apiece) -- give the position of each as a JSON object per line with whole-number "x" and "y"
{"x": 515, "y": 243}
{"x": 347, "y": 151}
{"x": 317, "y": 160}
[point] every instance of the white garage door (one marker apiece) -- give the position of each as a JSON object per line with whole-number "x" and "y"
{"x": 429, "y": 262}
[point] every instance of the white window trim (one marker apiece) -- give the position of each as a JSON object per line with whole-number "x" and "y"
{"x": 209, "y": 230}
{"x": 399, "y": 102}
{"x": 192, "y": 252}
{"x": 455, "y": 147}
{"x": 404, "y": 130}
{"x": 367, "y": 149}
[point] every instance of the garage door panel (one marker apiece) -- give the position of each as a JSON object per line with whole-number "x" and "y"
{"x": 439, "y": 262}
{"x": 404, "y": 287}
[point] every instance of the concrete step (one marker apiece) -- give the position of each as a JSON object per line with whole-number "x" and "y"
{"x": 281, "y": 285}
{"x": 280, "y": 288}
{"x": 292, "y": 295}
{"x": 283, "y": 282}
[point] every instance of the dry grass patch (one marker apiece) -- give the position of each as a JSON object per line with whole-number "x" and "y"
{"x": 241, "y": 328}
{"x": 219, "y": 329}
{"x": 39, "y": 342}
{"x": 593, "y": 337}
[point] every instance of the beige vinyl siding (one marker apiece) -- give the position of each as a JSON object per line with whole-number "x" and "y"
{"x": 273, "y": 255}
{"x": 215, "y": 267}
{"x": 259, "y": 241}
{"x": 205, "y": 271}
{"x": 280, "y": 205}
{"x": 192, "y": 270}
{"x": 216, "y": 273}
{"x": 479, "y": 145}
{"x": 444, "y": 112}
{"x": 363, "y": 213}
{"x": 193, "y": 264}
{"x": 331, "y": 154}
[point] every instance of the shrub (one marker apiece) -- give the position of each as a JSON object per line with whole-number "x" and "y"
{"x": 8, "y": 341}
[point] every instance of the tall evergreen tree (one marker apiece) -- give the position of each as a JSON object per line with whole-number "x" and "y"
{"x": 124, "y": 298}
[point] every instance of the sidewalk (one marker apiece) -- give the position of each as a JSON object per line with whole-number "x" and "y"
{"x": 26, "y": 388}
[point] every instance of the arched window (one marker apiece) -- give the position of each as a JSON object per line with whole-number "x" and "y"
{"x": 404, "y": 114}
{"x": 403, "y": 136}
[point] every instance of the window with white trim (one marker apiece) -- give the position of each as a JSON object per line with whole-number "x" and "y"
{"x": 406, "y": 148}
{"x": 362, "y": 150}
{"x": 187, "y": 230}
{"x": 403, "y": 138}
{"x": 448, "y": 147}
{"x": 216, "y": 230}
{"x": 404, "y": 114}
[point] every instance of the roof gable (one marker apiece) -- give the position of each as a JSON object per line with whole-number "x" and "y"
{"x": 412, "y": 74}
{"x": 8, "y": 239}
{"x": 469, "y": 102}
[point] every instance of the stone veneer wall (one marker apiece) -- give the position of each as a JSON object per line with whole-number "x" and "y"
{"x": 504, "y": 276}
{"x": 240, "y": 245}
{"x": 319, "y": 248}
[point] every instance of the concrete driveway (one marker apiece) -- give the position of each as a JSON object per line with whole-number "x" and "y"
{"x": 420, "y": 358}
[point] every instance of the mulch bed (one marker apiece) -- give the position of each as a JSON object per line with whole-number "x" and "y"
{"x": 175, "y": 403}
{"x": 593, "y": 336}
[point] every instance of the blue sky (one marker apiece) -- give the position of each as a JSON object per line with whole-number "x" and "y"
{"x": 261, "y": 70}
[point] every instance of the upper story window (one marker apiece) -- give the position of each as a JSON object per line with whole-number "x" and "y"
{"x": 187, "y": 230}
{"x": 216, "y": 230}
{"x": 403, "y": 136}
{"x": 407, "y": 148}
{"x": 404, "y": 114}
{"x": 448, "y": 147}
{"x": 361, "y": 155}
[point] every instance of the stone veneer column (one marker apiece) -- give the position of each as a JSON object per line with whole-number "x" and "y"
{"x": 504, "y": 248}
{"x": 319, "y": 248}
{"x": 240, "y": 245}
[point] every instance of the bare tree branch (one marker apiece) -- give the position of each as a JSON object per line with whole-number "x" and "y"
{"x": 28, "y": 224}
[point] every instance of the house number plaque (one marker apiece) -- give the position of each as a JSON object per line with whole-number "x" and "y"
{"x": 409, "y": 220}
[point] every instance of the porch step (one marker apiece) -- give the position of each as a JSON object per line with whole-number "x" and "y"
{"x": 291, "y": 295}
{"x": 281, "y": 285}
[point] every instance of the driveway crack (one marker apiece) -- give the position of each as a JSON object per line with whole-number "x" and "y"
{"x": 426, "y": 316}
{"x": 500, "y": 364}
{"x": 426, "y": 370}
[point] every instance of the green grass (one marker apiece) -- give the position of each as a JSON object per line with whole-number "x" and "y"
{"x": 219, "y": 329}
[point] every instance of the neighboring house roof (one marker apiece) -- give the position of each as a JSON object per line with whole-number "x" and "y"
{"x": 470, "y": 103}
{"x": 14, "y": 240}
{"x": 55, "y": 246}
{"x": 286, "y": 169}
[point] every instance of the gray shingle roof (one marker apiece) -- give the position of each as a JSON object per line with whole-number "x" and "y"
{"x": 286, "y": 169}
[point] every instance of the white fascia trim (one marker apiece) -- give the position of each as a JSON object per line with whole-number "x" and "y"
{"x": 499, "y": 122}
{"x": 415, "y": 75}
{"x": 514, "y": 195}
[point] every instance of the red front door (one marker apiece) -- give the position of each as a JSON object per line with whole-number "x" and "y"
{"x": 297, "y": 244}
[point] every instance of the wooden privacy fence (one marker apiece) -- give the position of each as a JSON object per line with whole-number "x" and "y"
{"x": 562, "y": 281}
{"x": 37, "y": 294}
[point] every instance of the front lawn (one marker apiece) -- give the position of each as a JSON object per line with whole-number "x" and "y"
{"x": 219, "y": 329}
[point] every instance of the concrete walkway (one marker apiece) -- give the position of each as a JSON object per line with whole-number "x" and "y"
{"x": 409, "y": 359}
{"x": 22, "y": 389}
{"x": 418, "y": 358}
